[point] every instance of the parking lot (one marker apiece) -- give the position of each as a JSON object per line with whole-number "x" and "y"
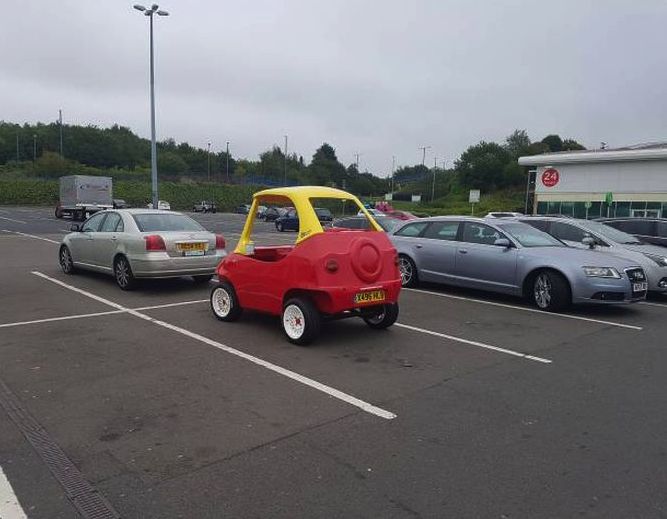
{"x": 142, "y": 404}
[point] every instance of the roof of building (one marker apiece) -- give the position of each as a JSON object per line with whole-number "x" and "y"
{"x": 641, "y": 151}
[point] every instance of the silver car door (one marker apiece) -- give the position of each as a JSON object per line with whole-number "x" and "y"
{"x": 438, "y": 253}
{"x": 105, "y": 241}
{"x": 481, "y": 264}
{"x": 84, "y": 243}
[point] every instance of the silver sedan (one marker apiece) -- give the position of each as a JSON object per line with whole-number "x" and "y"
{"x": 142, "y": 243}
{"x": 514, "y": 258}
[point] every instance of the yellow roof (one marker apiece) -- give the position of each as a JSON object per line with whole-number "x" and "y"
{"x": 304, "y": 192}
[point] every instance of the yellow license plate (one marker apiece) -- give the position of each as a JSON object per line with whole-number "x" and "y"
{"x": 372, "y": 296}
{"x": 191, "y": 246}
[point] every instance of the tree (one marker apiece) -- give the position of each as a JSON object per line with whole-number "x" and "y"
{"x": 517, "y": 143}
{"x": 325, "y": 169}
{"x": 571, "y": 144}
{"x": 171, "y": 163}
{"x": 554, "y": 142}
{"x": 482, "y": 166}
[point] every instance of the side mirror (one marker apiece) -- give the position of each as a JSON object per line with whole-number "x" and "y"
{"x": 589, "y": 242}
{"x": 75, "y": 227}
{"x": 502, "y": 242}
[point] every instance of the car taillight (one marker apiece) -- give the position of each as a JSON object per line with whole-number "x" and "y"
{"x": 155, "y": 242}
{"x": 220, "y": 241}
{"x": 331, "y": 265}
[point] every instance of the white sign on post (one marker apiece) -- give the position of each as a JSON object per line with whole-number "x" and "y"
{"x": 473, "y": 197}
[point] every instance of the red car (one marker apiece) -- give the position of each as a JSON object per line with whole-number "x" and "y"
{"x": 329, "y": 274}
{"x": 401, "y": 215}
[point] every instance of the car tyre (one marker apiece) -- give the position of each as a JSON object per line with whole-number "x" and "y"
{"x": 408, "y": 270}
{"x": 203, "y": 278}
{"x": 65, "y": 260}
{"x": 550, "y": 291}
{"x": 224, "y": 303}
{"x": 301, "y": 321}
{"x": 122, "y": 273}
{"x": 385, "y": 318}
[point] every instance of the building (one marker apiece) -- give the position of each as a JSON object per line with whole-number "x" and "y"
{"x": 630, "y": 181}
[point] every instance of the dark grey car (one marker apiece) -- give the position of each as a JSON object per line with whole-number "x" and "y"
{"x": 514, "y": 258}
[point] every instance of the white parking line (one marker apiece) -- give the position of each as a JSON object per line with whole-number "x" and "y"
{"x": 661, "y": 305}
{"x": 10, "y": 508}
{"x": 98, "y": 314}
{"x": 31, "y": 236}
{"x": 11, "y": 219}
{"x": 525, "y": 309}
{"x": 473, "y": 343}
{"x": 364, "y": 406}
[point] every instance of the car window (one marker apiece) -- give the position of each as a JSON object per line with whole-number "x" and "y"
{"x": 388, "y": 224}
{"x": 635, "y": 227}
{"x": 349, "y": 223}
{"x": 529, "y": 236}
{"x": 93, "y": 223}
{"x": 155, "y": 222}
{"x": 442, "y": 231}
{"x": 413, "y": 229}
{"x": 474, "y": 232}
{"x": 662, "y": 229}
{"x": 542, "y": 225}
{"x": 291, "y": 214}
{"x": 111, "y": 223}
{"x": 567, "y": 232}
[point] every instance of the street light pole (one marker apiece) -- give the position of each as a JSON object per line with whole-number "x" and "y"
{"x": 285, "y": 160}
{"x": 424, "y": 148}
{"x": 393, "y": 171}
{"x": 208, "y": 162}
{"x": 435, "y": 167}
{"x": 227, "y": 165}
{"x": 150, "y": 12}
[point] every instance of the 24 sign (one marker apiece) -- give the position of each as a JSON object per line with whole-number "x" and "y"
{"x": 550, "y": 177}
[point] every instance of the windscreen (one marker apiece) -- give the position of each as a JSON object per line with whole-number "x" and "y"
{"x": 160, "y": 222}
{"x": 528, "y": 236}
{"x": 612, "y": 234}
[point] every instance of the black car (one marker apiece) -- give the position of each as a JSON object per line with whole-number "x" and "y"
{"x": 242, "y": 209}
{"x": 272, "y": 213}
{"x": 205, "y": 207}
{"x": 119, "y": 203}
{"x": 361, "y": 222}
{"x": 650, "y": 230}
{"x": 323, "y": 215}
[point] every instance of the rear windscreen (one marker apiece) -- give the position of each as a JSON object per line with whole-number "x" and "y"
{"x": 156, "y": 222}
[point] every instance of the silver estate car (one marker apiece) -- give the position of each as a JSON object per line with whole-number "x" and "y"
{"x": 511, "y": 257}
{"x": 142, "y": 243}
{"x": 585, "y": 234}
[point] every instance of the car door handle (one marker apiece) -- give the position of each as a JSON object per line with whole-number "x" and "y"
{"x": 113, "y": 238}
{"x": 463, "y": 251}
{"x": 418, "y": 246}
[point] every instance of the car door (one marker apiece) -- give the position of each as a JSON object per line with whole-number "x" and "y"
{"x": 105, "y": 241}
{"x": 82, "y": 243}
{"x": 438, "y": 251}
{"x": 481, "y": 264}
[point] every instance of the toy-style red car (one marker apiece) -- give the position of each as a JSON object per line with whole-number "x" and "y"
{"x": 327, "y": 274}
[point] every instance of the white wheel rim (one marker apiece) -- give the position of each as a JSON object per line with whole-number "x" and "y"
{"x": 65, "y": 260}
{"x": 221, "y": 302}
{"x": 405, "y": 269}
{"x": 294, "y": 322}
{"x": 542, "y": 291}
{"x": 122, "y": 273}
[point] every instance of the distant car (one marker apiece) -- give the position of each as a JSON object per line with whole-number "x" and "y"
{"x": 372, "y": 212}
{"x": 401, "y": 215}
{"x": 588, "y": 234}
{"x": 260, "y": 211}
{"x": 242, "y": 209}
{"x": 272, "y": 213}
{"x": 511, "y": 257}
{"x": 361, "y": 222}
{"x": 649, "y": 230}
{"x": 205, "y": 207}
{"x": 141, "y": 243}
{"x": 502, "y": 214}
{"x": 323, "y": 215}
{"x": 162, "y": 205}
{"x": 288, "y": 221}
{"x": 119, "y": 203}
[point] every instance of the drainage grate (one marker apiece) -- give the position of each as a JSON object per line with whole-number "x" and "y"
{"x": 87, "y": 500}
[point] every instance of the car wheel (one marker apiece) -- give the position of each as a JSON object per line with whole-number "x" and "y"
{"x": 301, "y": 321}
{"x": 65, "y": 259}
{"x": 408, "y": 270}
{"x": 224, "y": 303}
{"x": 551, "y": 291}
{"x": 385, "y": 318}
{"x": 279, "y": 226}
{"x": 123, "y": 274}
{"x": 59, "y": 212}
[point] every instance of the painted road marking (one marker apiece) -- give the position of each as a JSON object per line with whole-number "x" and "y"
{"x": 11, "y": 219}
{"x": 32, "y": 236}
{"x": 9, "y": 504}
{"x": 474, "y": 343}
{"x": 660, "y": 305}
{"x": 335, "y": 393}
{"x": 525, "y": 309}
{"x": 98, "y": 314}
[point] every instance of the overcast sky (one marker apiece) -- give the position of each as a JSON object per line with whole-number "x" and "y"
{"x": 375, "y": 77}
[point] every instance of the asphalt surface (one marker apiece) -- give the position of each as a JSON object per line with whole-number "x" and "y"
{"x": 474, "y": 406}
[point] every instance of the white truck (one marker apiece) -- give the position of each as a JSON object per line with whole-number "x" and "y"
{"x": 83, "y": 195}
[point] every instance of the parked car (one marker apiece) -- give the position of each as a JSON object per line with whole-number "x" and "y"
{"x": 162, "y": 205}
{"x": 324, "y": 275}
{"x": 205, "y": 207}
{"x": 323, "y": 214}
{"x": 588, "y": 234}
{"x": 514, "y": 258}
{"x": 649, "y": 230}
{"x": 272, "y": 213}
{"x": 242, "y": 209}
{"x": 503, "y": 214}
{"x": 119, "y": 203}
{"x": 361, "y": 222}
{"x": 141, "y": 243}
{"x": 401, "y": 215}
{"x": 260, "y": 211}
{"x": 372, "y": 212}
{"x": 288, "y": 221}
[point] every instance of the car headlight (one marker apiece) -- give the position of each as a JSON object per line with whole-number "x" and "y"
{"x": 602, "y": 272}
{"x": 660, "y": 260}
